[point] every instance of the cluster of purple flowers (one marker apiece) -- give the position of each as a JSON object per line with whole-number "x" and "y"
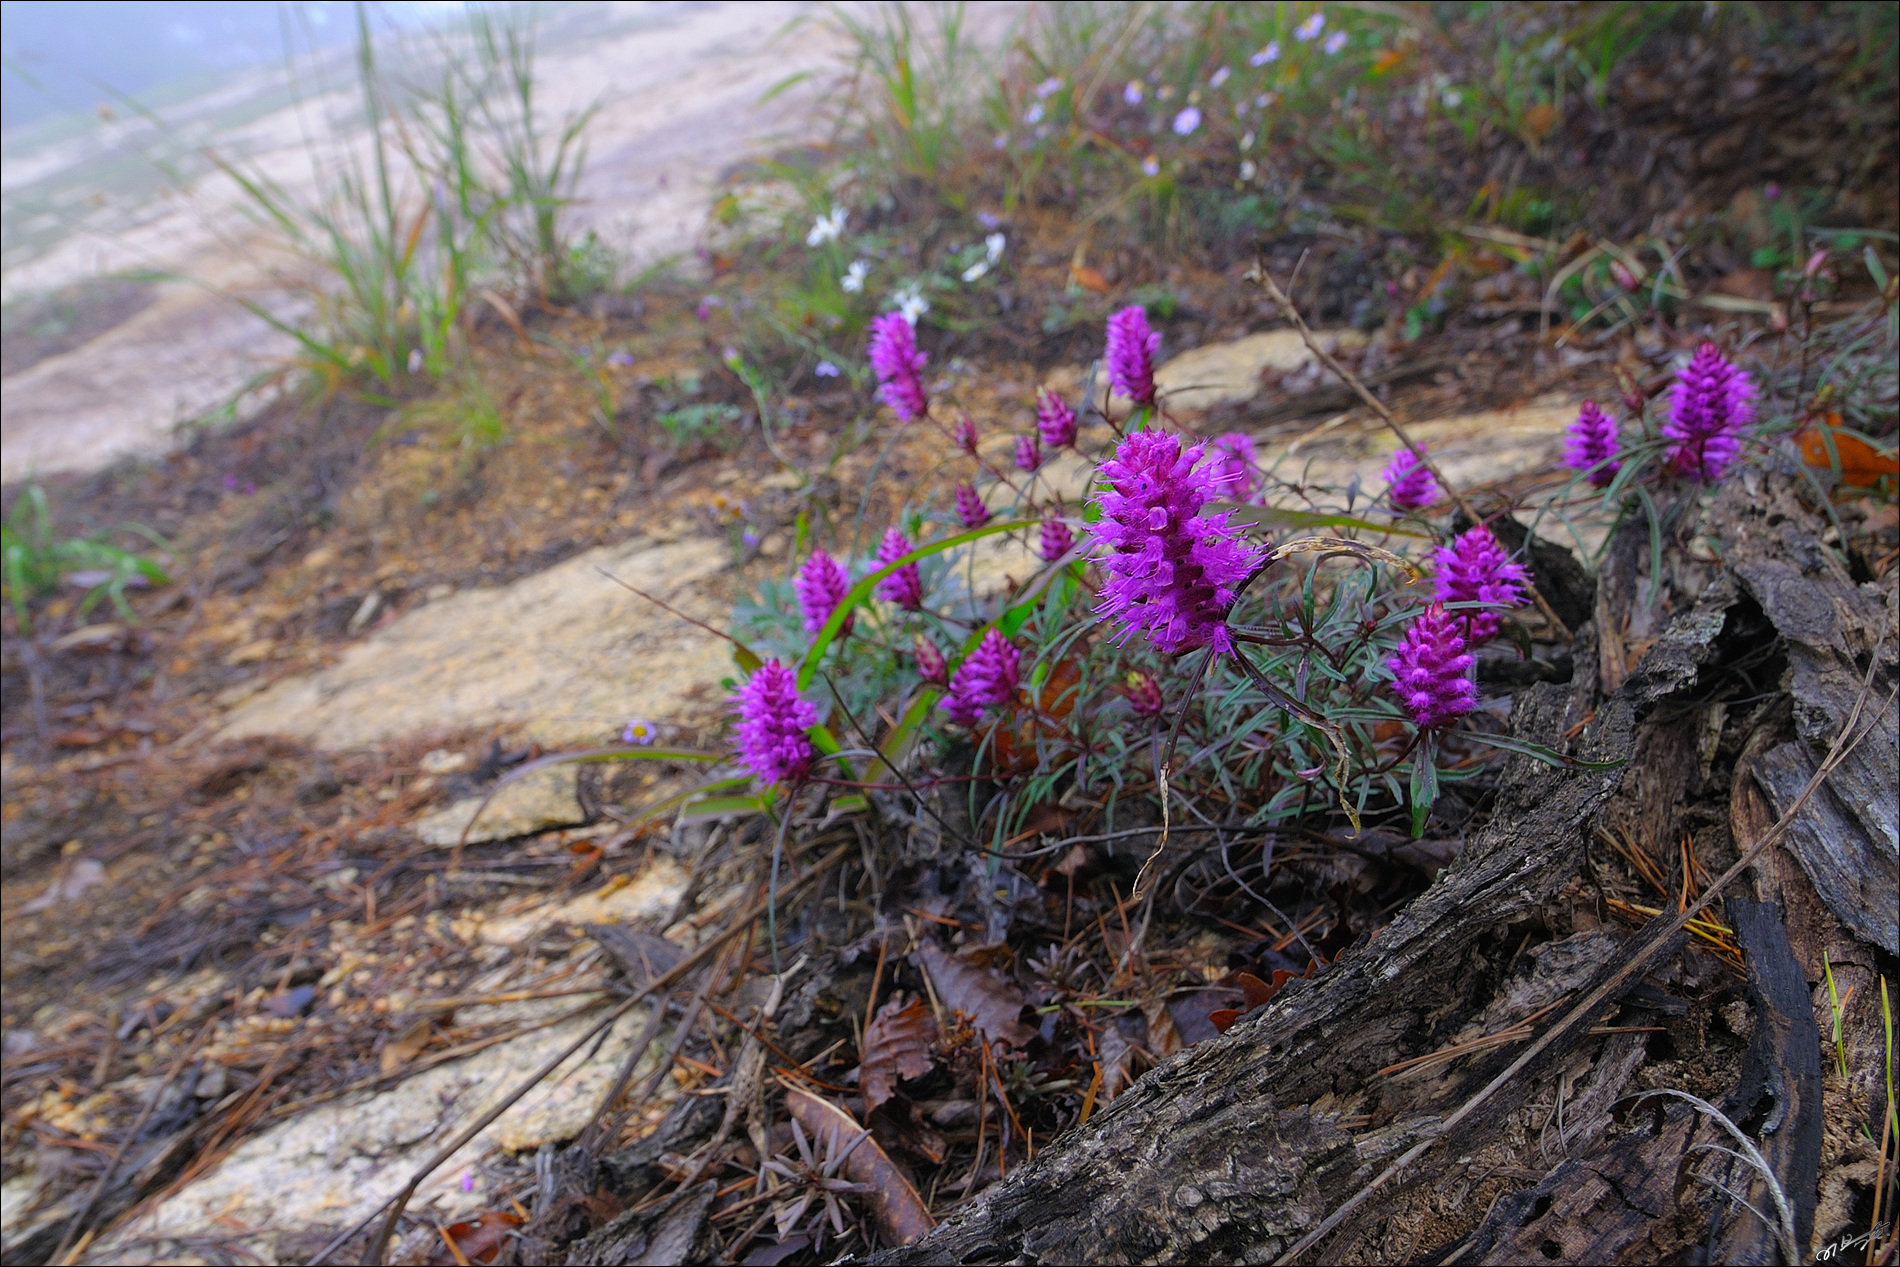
{"x": 1409, "y": 482}
{"x": 1476, "y": 569}
{"x": 905, "y": 587}
{"x": 899, "y": 366}
{"x": 1130, "y": 355}
{"x": 1591, "y": 445}
{"x": 987, "y": 678}
{"x": 773, "y": 719}
{"x": 1232, "y": 465}
{"x": 1172, "y": 568}
{"x": 1712, "y": 403}
{"x": 821, "y": 585}
{"x": 1055, "y": 421}
{"x": 1432, "y": 672}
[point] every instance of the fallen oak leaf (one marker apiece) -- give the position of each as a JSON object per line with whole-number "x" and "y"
{"x": 478, "y": 1240}
{"x": 896, "y": 1048}
{"x": 899, "y": 1212}
{"x": 993, "y": 1004}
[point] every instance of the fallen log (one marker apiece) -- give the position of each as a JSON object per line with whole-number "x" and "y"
{"x": 1240, "y": 1148}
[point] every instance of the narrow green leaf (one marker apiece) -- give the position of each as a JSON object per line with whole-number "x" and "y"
{"x": 1274, "y": 517}
{"x": 722, "y": 807}
{"x": 1549, "y": 756}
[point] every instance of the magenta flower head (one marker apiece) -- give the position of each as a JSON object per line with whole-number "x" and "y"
{"x": 1172, "y": 569}
{"x": 1592, "y": 444}
{"x": 1409, "y": 482}
{"x": 1430, "y": 671}
{"x": 899, "y": 366}
{"x": 1144, "y": 694}
{"x": 1131, "y": 354}
{"x": 1476, "y": 569}
{"x": 965, "y": 435}
{"x": 1055, "y": 420}
{"x": 1057, "y": 540}
{"x": 930, "y": 662}
{"x": 905, "y": 587}
{"x": 1028, "y": 454}
{"x": 1231, "y": 464}
{"x": 821, "y": 586}
{"x": 970, "y": 507}
{"x": 1712, "y": 402}
{"x": 986, "y": 679}
{"x": 773, "y": 719}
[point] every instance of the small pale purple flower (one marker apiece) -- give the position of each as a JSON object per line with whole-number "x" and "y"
{"x": 1187, "y": 121}
{"x": 1476, "y": 569}
{"x": 899, "y": 366}
{"x": 1151, "y": 166}
{"x": 1712, "y": 402}
{"x": 1028, "y": 454}
{"x": 230, "y": 483}
{"x": 1409, "y": 482}
{"x": 1054, "y": 420}
{"x": 1592, "y": 445}
{"x": 638, "y": 730}
{"x": 988, "y": 219}
{"x": 773, "y": 719}
{"x": 987, "y": 678}
{"x": 750, "y": 537}
{"x": 821, "y": 585}
{"x": 1131, "y": 354}
{"x": 1271, "y": 53}
{"x": 1057, "y": 540}
{"x": 1231, "y": 465}
{"x": 905, "y": 587}
{"x": 1219, "y": 77}
{"x": 1033, "y": 115}
{"x": 620, "y": 358}
{"x": 930, "y": 662}
{"x": 1334, "y": 43}
{"x": 1048, "y": 87}
{"x": 970, "y": 507}
{"x": 1132, "y": 93}
{"x": 1172, "y": 568}
{"x": 825, "y": 369}
{"x": 1310, "y": 29}
{"x": 1431, "y": 670}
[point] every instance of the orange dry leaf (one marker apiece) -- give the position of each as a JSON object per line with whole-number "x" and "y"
{"x": 1387, "y": 60}
{"x": 1088, "y": 279}
{"x": 479, "y": 1240}
{"x": 1861, "y": 463}
{"x": 896, "y": 1047}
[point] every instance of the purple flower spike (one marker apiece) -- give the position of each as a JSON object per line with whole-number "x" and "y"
{"x": 821, "y": 586}
{"x": 1430, "y": 671}
{"x": 1409, "y": 483}
{"x": 1172, "y": 569}
{"x": 1057, "y": 540}
{"x": 1592, "y": 443}
{"x": 773, "y": 719}
{"x": 965, "y": 436}
{"x": 1131, "y": 354}
{"x": 1055, "y": 420}
{"x": 986, "y": 679}
{"x": 930, "y": 662}
{"x": 899, "y": 366}
{"x": 1712, "y": 402}
{"x": 905, "y": 587}
{"x": 1476, "y": 569}
{"x": 1028, "y": 455}
{"x": 1231, "y": 464}
{"x": 970, "y": 507}
{"x": 1144, "y": 694}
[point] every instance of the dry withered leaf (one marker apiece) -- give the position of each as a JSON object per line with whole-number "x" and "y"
{"x": 405, "y": 1047}
{"x": 479, "y": 1240}
{"x": 1163, "y": 1038}
{"x": 993, "y": 1004}
{"x": 1117, "y": 1057}
{"x": 896, "y": 1047}
{"x": 899, "y": 1212}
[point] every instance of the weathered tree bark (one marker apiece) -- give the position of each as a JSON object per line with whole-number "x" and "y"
{"x": 1234, "y": 1149}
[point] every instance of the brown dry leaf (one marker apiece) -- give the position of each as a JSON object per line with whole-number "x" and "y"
{"x": 1117, "y": 1057}
{"x": 993, "y": 1004}
{"x": 405, "y": 1047}
{"x": 895, "y": 1206}
{"x": 1163, "y": 1038}
{"x": 1089, "y": 279}
{"x": 896, "y": 1047}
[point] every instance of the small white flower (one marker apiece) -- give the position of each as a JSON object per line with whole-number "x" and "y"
{"x": 827, "y": 228}
{"x": 911, "y": 303}
{"x": 1248, "y": 171}
{"x": 975, "y": 271}
{"x": 1033, "y": 115}
{"x": 1310, "y": 29}
{"x": 853, "y": 279}
{"x": 1186, "y": 121}
{"x": 1452, "y": 98}
{"x": 1335, "y": 42}
{"x": 1219, "y": 77}
{"x": 415, "y": 360}
{"x": 1246, "y": 142}
{"x": 1271, "y": 53}
{"x": 993, "y": 247}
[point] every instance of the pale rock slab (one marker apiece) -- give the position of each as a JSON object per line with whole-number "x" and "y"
{"x": 546, "y": 798}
